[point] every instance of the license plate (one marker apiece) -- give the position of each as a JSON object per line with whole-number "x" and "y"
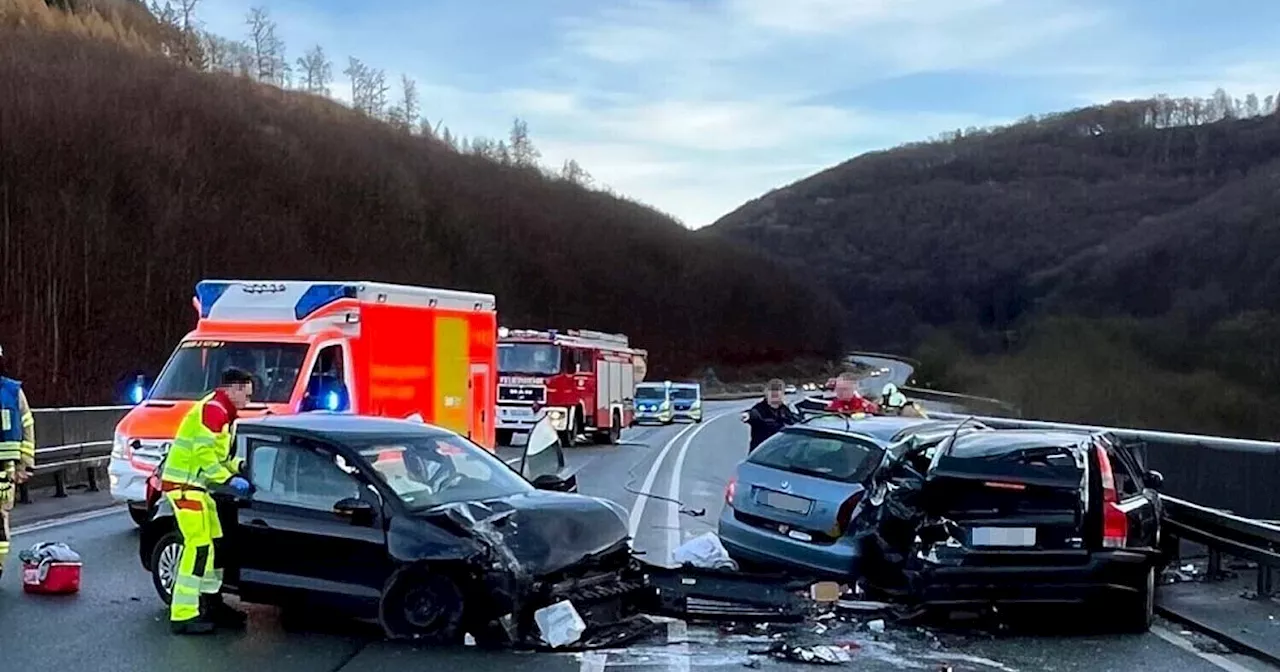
{"x": 1003, "y": 536}
{"x": 781, "y": 500}
{"x": 517, "y": 412}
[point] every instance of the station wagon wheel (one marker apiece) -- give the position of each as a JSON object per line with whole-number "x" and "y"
{"x": 165, "y": 557}
{"x": 422, "y": 605}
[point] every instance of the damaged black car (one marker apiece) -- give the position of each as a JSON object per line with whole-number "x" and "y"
{"x": 418, "y": 529}
{"x": 953, "y": 515}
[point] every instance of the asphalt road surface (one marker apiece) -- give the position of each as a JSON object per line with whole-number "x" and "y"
{"x": 117, "y": 624}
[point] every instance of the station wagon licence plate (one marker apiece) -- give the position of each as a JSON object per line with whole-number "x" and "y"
{"x": 1003, "y": 536}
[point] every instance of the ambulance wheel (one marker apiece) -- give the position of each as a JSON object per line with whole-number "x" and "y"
{"x": 164, "y": 565}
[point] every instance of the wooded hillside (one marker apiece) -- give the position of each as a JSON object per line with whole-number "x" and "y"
{"x": 126, "y": 177}
{"x": 1158, "y": 221}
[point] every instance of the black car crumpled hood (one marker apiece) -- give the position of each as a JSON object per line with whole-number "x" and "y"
{"x": 540, "y": 533}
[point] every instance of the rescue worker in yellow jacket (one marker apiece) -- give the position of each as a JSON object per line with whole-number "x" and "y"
{"x": 201, "y": 461}
{"x": 17, "y": 450}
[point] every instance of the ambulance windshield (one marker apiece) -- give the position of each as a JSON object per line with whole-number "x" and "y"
{"x": 541, "y": 359}
{"x": 195, "y": 367}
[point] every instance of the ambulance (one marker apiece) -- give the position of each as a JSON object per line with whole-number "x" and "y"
{"x": 361, "y": 347}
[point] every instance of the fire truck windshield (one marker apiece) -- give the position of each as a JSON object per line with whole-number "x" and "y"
{"x": 532, "y": 358}
{"x": 195, "y": 367}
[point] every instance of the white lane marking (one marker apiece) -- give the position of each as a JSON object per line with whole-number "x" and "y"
{"x": 637, "y": 509}
{"x": 678, "y": 640}
{"x": 69, "y": 520}
{"x": 1219, "y": 661}
{"x": 673, "y": 490}
{"x": 593, "y": 661}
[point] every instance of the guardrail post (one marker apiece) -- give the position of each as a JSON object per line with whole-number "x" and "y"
{"x": 1215, "y": 565}
{"x": 24, "y": 494}
{"x": 92, "y": 473}
{"x": 60, "y": 483}
{"x": 1266, "y": 581}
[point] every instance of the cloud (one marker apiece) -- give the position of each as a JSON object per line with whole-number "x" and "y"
{"x": 696, "y": 106}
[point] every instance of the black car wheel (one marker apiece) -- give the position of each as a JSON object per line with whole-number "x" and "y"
{"x": 1137, "y": 612}
{"x": 422, "y": 605}
{"x": 165, "y": 557}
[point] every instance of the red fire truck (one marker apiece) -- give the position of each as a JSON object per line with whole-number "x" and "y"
{"x": 584, "y": 381}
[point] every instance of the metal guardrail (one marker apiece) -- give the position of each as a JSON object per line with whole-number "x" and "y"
{"x": 1225, "y": 534}
{"x": 71, "y": 443}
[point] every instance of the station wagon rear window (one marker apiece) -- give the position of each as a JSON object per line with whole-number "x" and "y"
{"x": 829, "y": 456}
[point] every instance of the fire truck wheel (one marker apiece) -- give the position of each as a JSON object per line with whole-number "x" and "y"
{"x": 569, "y": 438}
{"x": 613, "y": 434}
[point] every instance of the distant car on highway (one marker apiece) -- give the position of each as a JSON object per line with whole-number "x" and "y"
{"x": 653, "y": 404}
{"x": 950, "y": 514}
{"x": 408, "y": 524}
{"x": 686, "y": 401}
{"x": 790, "y": 389}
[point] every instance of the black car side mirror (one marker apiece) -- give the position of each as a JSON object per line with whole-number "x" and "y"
{"x": 358, "y": 510}
{"x": 1154, "y": 479}
{"x": 555, "y": 483}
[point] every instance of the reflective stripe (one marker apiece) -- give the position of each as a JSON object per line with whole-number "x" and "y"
{"x": 28, "y": 420}
{"x": 10, "y": 450}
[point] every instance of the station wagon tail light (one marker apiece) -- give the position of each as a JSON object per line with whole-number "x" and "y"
{"x": 844, "y": 515}
{"x": 1115, "y": 524}
{"x": 730, "y": 489}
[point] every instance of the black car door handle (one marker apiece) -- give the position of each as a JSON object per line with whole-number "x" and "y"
{"x": 258, "y": 522}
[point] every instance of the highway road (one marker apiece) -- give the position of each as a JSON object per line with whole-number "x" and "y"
{"x": 117, "y": 624}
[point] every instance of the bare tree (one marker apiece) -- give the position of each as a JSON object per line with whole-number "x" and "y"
{"x": 523, "y": 153}
{"x": 405, "y": 114}
{"x": 368, "y": 88}
{"x": 571, "y": 171}
{"x": 316, "y": 71}
{"x": 268, "y": 49}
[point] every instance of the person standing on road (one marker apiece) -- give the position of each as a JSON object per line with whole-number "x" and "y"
{"x": 17, "y": 449}
{"x": 848, "y": 400}
{"x": 894, "y": 402}
{"x": 201, "y": 460}
{"x": 770, "y": 415}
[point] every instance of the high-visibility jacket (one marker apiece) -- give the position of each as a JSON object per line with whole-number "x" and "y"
{"x": 17, "y": 425}
{"x": 201, "y": 456}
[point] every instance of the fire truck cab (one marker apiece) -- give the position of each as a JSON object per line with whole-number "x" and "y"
{"x": 361, "y": 347}
{"x": 583, "y": 381}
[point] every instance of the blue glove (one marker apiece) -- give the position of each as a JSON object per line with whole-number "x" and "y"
{"x": 239, "y": 485}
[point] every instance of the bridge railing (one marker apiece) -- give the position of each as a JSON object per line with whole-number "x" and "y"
{"x": 72, "y": 444}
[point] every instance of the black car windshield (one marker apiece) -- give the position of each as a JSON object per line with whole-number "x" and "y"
{"x": 684, "y": 393}
{"x": 650, "y": 392}
{"x": 426, "y": 471}
{"x": 196, "y": 366}
{"x": 532, "y": 358}
{"x": 819, "y": 454}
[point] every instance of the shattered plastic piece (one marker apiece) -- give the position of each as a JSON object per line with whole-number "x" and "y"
{"x": 704, "y": 551}
{"x": 825, "y": 591}
{"x": 814, "y": 655}
{"x": 862, "y": 606}
{"x": 876, "y": 625}
{"x": 560, "y": 624}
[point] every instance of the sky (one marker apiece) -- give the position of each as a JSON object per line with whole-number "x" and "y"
{"x": 696, "y": 106}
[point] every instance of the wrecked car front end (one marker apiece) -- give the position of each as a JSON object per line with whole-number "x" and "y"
{"x": 529, "y": 554}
